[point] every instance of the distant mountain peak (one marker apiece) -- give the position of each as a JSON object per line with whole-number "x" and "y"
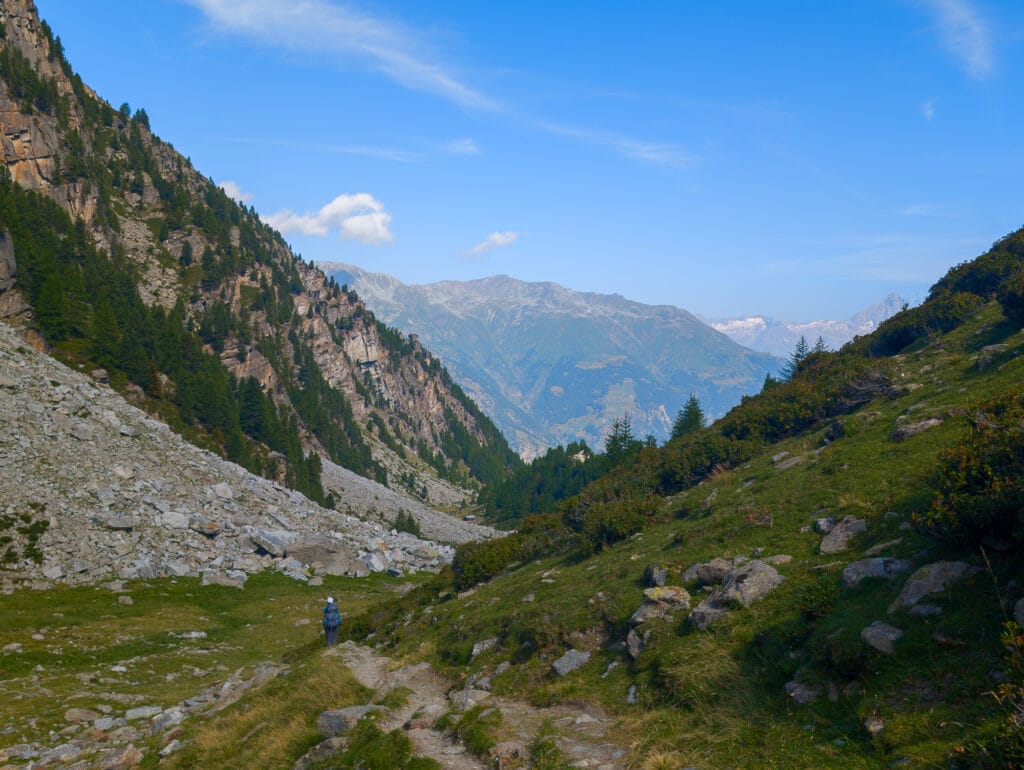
{"x": 551, "y": 365}
{"x": 768, "y": 335}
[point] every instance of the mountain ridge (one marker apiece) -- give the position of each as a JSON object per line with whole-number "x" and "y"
{"x": 767, "y": 334}
{"x": 552, "y": 365}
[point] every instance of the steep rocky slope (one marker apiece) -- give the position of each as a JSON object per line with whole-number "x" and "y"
{"x": 93, "y": 488}
{"x": 551, "y": 365}
{"x": 257, "y": 306}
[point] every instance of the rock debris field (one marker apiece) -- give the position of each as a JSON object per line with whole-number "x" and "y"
{"x": 93, "y": 488}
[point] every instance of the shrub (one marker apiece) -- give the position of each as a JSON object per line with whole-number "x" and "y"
{"x": 979, "y": 484}
{"x": 405, "y": 522}
{"x": 1011, "y": 297}
{"x": 476, "y": 562}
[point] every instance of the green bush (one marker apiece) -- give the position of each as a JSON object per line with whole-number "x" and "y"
{"x": 369, "y": 748}
{"x": 477, "y": 562}
{"x": 940, "y": 314}
{"x": 1011, "y": 297}
{"x": 979, "y": 484}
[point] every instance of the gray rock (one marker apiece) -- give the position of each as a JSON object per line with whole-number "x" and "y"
{"x": 204, "y": 526}
{"x": 75, "y": 715}
{"x": 881, "y": 636}
{"x": 484, "y": 645}
{"x": 749, "y": 583}
{"x": 655, "y": 575}
{"x": 274, "y": 542}
{"x": 839, "y": 537}
{"x": 781, "y": 558}
{"x": 105, "y": 723}
{"x": 631, "y": 695}
{"x": 714, "y": 571}
{"x": 172, "y": 717}
{"x": 53, "y": 572}
{"x": 223, "y": 491}
{"x": 824, "y": 525}
{"x": 635, "y": 643}
{"x": 339, "y": 721}
{"x": 176, "y": 569}
{"x": 123, "y": 758}
{"x": 660, "y": 602}
{"x": 1018, "y": 612}
{"x": 375, "y": 561}
{"x": 211, "y": 578}
{"x": 801, "y": 693}
{"x": 174, "y": 520}
{"x": 930, "y": 579}
{"x": 571, "y": 661}
{"x": 708, "y": 612}
{"x": 903, "y": 432}
{"x": 925, "y": 610}
{"x": 142, "y": 712}
{"x": 877, "y": 567}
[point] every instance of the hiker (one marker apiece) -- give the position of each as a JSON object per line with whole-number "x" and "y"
{"x": 332, "y": 619}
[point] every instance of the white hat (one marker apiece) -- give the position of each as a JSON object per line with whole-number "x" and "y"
{"x": 330, "y": 600}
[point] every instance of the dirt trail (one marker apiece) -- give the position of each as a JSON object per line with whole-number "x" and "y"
{"x": 581, "y": 730}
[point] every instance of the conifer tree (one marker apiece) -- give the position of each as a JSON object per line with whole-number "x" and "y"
{"x": 689, "y": 419}
{"x": 800, "y": 352}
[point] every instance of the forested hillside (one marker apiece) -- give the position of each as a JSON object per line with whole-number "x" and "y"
{"x": 135, "y": 263}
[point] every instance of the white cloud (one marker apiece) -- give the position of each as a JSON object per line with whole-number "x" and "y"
{"x": 495, "y": 240}
{"x": 965, "y": 34}
{"x": 928, "y": 110}
{"x": 358, "y": 217}
{"x": 669, "y": 155}
{"x": 462, "y": 147}
{"x": 236, "y": 192}
{"x": 320, "y": 26}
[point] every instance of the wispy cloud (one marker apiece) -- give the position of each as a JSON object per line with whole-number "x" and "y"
{"x": 928, "y": 110}
{"x": 325, "y": 27}
{"x": 667, "y": 155}
{"x": 358, "y": 217}
{"x": 965, "y": 34}
{"x": 462, "y": 147}
{"x": 235, "y": 192}
{"x": 495, "y": 240}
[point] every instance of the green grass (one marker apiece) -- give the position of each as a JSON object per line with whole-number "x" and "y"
{"x": 717, "y": 699}
{"x": 73, "y": 638}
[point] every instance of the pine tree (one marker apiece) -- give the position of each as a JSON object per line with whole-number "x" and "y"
{"x": 800, "y": 352}
{"x": 819, "y": 346}
{"x": 621, "y": 443}
{"x": 689, "y": 419}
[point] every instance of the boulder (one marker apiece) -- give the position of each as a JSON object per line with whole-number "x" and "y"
{"x": 339, "y": 721}
{"x": 75, "y": 715}
{"x": 749, "y": 583}
{"x": 634, "y": 644}
{"x": 211, "y": 578}
{"x": 713, "y": 572}
{"x": 655, "y": 575}
{"x": 141, "y": 712}
{"x": 824, "y": 525}
{"x": 174, "y": 520}
{"x": 571, "y": 661}
{"x": 881, "y": 636}
{"x": 878, "y": 567}
{"x": 659, "y": 602}
{"x": 903, "y": 432}
{"x": 312, "y": 549}
{"x": 204, "y": 526}
{"x": 273, "y": 541}
{"x": 707, "y": 612}
{"x": 839, "y": 537}
{"x": 930, "y": 579}
{"x": 123, "y": 758}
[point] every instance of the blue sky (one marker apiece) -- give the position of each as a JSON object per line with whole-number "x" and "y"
{"x": 789, "y": 158}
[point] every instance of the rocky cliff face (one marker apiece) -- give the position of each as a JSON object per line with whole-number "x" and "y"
{"x": 94, "y": 489}
{"x": 192, "y": 244}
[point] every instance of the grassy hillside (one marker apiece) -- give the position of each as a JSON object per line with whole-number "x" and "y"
{"x": 917, "y": 432}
